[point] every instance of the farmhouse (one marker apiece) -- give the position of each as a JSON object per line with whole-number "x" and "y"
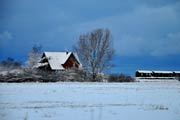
{"x": 59, "y": 61}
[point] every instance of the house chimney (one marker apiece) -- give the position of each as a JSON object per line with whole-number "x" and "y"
{"x": 66, "y": 51}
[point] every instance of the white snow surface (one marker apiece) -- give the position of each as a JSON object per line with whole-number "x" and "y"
{"x": 90, "y": 101}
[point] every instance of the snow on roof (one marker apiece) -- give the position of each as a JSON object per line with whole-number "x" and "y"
{"x": 177, "y": 71}
{"x": 42, "y": 64}
{"x": 155, "y": 71}
{"x": 56, "y": 59}
{"x": 163, "y": 71}
{"x": 144, "y": 71}
{"x": 77, "y": 58}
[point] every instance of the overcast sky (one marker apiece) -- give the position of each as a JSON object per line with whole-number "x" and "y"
{"x": 146, "y": 33}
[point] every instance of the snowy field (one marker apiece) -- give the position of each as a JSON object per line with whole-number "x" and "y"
{"x": 90, "y": 101}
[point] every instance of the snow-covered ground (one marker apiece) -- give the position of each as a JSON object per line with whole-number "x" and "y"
{"x": 90, "y": 101}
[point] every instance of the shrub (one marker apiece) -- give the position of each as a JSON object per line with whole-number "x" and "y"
{"x": 120, "y": 78}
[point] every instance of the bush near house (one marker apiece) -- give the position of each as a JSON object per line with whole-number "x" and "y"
{"x": 71, "y": 75}
{"x": 36, "y": 75}
{"x": 120, "y": 78}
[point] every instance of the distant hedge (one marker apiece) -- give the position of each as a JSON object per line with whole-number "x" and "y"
{"x": 44, "y": 76}
{"x": 120, "y": 78}
{"x": 73, "y": 75}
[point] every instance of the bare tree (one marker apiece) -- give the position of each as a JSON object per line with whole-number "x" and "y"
{"x": 34, "y": 56}
{"x": 95, "y": 50}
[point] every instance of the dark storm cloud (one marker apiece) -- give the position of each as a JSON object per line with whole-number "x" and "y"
{"x": 138, "y": 27}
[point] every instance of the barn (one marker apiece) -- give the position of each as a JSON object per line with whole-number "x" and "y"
{"x": 150, "y": 74}
{"x": 143, "y": 73}
{"x": 54, "y": 61}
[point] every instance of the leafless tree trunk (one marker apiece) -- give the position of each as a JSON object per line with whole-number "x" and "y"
{"x": 95, "y": 50}
{"x": 34, "y": 56}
